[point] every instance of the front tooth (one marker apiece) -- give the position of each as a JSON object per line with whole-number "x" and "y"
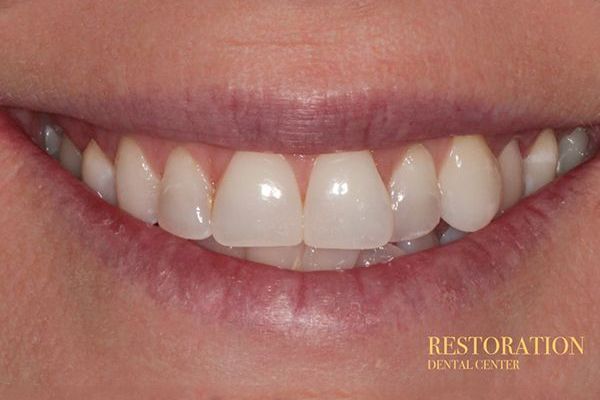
{"x": 70, "y": 157}
{"x": 98, "y": 172}
{"x": 185, "y": 199}
{"x": 379, "y": 255}
{"x": 347, "y": 205}
{"x": 212, "y": 245}
{"x": 326, "y": 259}
{"x": 511, "y": 169}
{"x": 137, "y": 183}
{"x": 540, "y": 163}
{"x": 415, "y": 195}
{"x": 423, "y": 243}
{"x": 572, "y": 150}
{"x": 258, "y": 203}
{"x": 289, "y": 257}
{"x": 470, "y": 183}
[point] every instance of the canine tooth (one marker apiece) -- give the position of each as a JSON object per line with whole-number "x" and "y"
{"x": 258, "y": 202}
{"x": 51, "y": 137}
{"x": 212, "y": 245}
{"x": 451, "y": 235}
{"x": 415, "y": 195}
{"x": 326, "y": 259}
{"x": 347, "y": 205}
{"x": 423, "y": 243}
{"x": 289, "y": 257}
{"x": 511, "y": 169}
{"x": 470, "y": 183}
{"x": 70, "y": 157}
{"x": 379, "y": 255}
{"x": 185, "y": 199}
{"x": 540, "y": 163}
{"x": 572, "y": 150}
{"x": 98, "y": 172}
{"x": 137, "y": 184}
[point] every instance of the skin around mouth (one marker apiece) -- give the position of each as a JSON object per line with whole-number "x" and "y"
{"x": 98, "y": 303}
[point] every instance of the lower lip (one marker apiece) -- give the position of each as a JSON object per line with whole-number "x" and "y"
{"x": 218, "y": 288}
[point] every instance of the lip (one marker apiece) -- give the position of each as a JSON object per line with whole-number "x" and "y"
{"x": 219, "y": 289}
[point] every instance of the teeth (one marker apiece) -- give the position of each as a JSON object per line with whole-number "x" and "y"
{"x": 289, "y": 257}
{"x": 258, "y": 203}
{"x": 451, "y": 235}
{"x": 572, "y": 150}
{"x": 540, "y": 163}
{"x": 70, "y": 157}
{"x": 98, "y": 172}
{"x": 415, "y": 195}
{"x": 137, "y": 184}
{"x": 347, "y": 205}
{"x": 51, "y": 136}
{"x": 185, "y": 199}
{"x": 212, "y": 245}
{"x": 380, "y": 255}
{"x": 423, "y": 243}
{"x": 511, "y": 169}
{"x": 470, "y": 184}
{"x": 326, "y": 259}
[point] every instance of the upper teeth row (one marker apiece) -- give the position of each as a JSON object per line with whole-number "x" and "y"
{"x": 346, "y": 205}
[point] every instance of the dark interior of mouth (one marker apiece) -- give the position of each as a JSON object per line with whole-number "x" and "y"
{"x": 311, "y": 212}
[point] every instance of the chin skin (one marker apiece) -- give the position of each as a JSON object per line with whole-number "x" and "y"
{"x": 73, "y": 328}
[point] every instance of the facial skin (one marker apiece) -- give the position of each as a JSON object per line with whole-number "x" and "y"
{"x": 75, "y": 328}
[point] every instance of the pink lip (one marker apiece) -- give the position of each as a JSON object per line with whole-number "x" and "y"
{"x": 217, "y": 288}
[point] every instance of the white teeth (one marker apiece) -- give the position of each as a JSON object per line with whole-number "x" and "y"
{"x": 451, "y": 235}
{"x": 98, "y": 172}
{"x": 415, "y": 195}
{"x": 423, "y": 243}
{"x": 137, "y": 184}
{"x": 511, "y": 169}
{"x": 347, "y": 205}
{"x": 540, "y": 163}
{"x": 212, "y": 245}
{"x": 258, "y": 203}
{"x": 380, "y": 255}
{"x": 326, "y": 259}
{"x": 572, "y": 150}
{"x": 70, "y": 157}
{"x": 470, "y": 183}
{"x": 289, "y": 257}
{"x": 51, "y": 137}
{"x": 185, "y": 200}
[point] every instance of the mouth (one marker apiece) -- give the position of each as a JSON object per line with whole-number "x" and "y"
{"x": 282, "y": 238}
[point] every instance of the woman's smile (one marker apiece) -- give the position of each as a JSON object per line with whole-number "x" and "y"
{"x": 284, "y": 200}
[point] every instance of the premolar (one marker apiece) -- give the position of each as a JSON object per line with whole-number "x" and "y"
{"x": 347, "y": 205}
{"x": 540, "y": 163}
{"x": 98, "y": 172}
{"x": 70, "y": 157}
{"x": 258, "y": 202}
{"x": 470, "y": 183}
{"x": 572, "y": 150}
{"x": 185, "y": 199}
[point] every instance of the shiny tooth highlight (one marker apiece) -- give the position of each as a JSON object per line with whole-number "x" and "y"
{"x": 136, "y": 182}
{"x": 289, "y": 257}
{"x": 470, "y": 183}
{"x": 511, "y": 169}
{"x": 315, "y": 259}
{"x": 258, "y": 202}
{"x": 379, "y": 255}
{"x": 70, "y": 157}
{"x": 420, "y": 244}
{"x": 572, "y": 150}
{"x": 185, "y": 199}
{"x": 347, "y": 205}
{"x": 540, "y": 163}
{"x": 415, "y": 195}
{"x": 98, "y": 173}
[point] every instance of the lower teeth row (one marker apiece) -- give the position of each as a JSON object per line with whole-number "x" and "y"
{"x": 348, "y": 216}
